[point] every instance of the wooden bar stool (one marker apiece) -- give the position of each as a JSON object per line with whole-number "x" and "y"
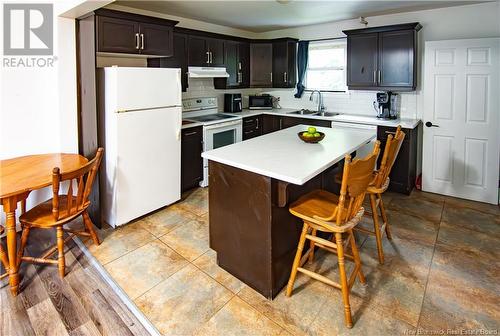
{"x": 327, "y": 212}
{"x": 62, "y": 209}
{"x": 379, "y": 186}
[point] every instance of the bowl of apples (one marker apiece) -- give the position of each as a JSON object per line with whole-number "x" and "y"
{"x": 311, "y": 135}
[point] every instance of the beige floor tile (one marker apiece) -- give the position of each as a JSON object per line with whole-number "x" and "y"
{"x": 366, "y": 320}
{"x": 167, "y": 219}
{"x": 182, "y": 303}
{"x": 208, "y": 264}
{"x": 189, "y": 240}
{"x": 472, "y": 219}
{"x": 142, "y": 269}
{"x": 238, "y": 318}
{"x": 479, "y": 206}
{"x": 195, "y": 201}
{"x": 293, "y": 313}
{"x": 120, "y": 241}
{"x": 424, "y": 207}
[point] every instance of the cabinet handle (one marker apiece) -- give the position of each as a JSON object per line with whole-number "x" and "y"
{"x": 257, "y": 127}
{"x": 248, "y": 121}
{"x": 379, "y": 79}
{"x": 281, "y": 123}
{"x": 208, "y": 57}
{"x": 142, "y": 41}
{"x": 271, "y": 76}
{"x": 284, "y": 76}
{"x": 239, "y": 65}
{"x": 137, "y": 41}
{"x": 211, "y": 59}
{"x": 248, "y": 132}
{"x": 190, "y": 133}
{"x": 375, "y": 76}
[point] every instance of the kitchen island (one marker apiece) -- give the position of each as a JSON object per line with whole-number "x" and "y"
{"x": 252, "y": 184}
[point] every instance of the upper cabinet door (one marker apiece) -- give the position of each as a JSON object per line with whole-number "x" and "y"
{"x": 216, "y": 49}
{"x": 244, "y": 64}
{"x": 156, "y": 39}
{"x": 284, "y": 64}
{"x": 280, "y": 64}
{"x": 261, "y": 65}
{"x": 397, "y": 54}
{"x": 232, "y": 63}
{"x": 362, "y": 52}
{"x": 117, "y": 35}
{"x": 198, "y": 54}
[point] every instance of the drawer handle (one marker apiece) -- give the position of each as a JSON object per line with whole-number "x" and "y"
{"x": 249, "y": 121}
{"x": 247, "y": 132}
{"x": 190, "y": 133}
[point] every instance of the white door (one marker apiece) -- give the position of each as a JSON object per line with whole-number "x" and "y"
{"x": 461, "y": 119}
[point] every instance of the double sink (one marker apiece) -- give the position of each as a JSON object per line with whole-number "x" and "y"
{"x": 315, "y": 113}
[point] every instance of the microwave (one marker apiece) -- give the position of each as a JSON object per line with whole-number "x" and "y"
{"x": 261, "y": 102}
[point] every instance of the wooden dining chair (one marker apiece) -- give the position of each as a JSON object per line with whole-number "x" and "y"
{"x": 62, "y": 209}
{"x": 3, "y": 256}
{"x": 338, "y": 215}
{"x": 379, "y": 186}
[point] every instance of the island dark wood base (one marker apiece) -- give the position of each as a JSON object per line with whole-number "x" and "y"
{"x": 251, "y": 230}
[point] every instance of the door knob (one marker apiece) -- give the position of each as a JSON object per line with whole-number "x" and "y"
{"x": 429, "y": 124}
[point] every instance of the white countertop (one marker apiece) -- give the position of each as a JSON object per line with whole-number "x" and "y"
{"x": 348, "y": 118}
{"x": 283, "y": 156}
{"x": 351, "y": 118}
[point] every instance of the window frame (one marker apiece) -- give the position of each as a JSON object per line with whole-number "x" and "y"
{"x": 340, "y": 40}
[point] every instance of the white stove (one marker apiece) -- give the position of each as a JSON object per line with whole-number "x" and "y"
{"x": 219, "y": 129}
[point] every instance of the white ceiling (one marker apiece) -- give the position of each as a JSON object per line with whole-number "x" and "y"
{"x": 267, "y": 15}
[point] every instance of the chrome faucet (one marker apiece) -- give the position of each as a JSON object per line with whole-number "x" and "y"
{"x": 321, "y": 107}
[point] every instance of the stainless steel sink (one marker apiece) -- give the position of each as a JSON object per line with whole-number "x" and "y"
{"x": 304, "y": 112}
{"x": 326, "y": 114}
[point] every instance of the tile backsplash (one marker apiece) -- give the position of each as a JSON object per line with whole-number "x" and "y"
{"x": 350, "y": 102}
{"x": 204, "y": 87}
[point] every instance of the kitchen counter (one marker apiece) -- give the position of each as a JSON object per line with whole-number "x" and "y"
{"x": 283, "y": 156}
{"x": 348, "y": 118}
{"x": 252, "y": 184}
{"x": 351, "y": 118}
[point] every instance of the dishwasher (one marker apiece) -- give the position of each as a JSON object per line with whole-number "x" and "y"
{"x": 368, "y": 147}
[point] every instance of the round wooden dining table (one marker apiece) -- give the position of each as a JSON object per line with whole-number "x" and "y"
{"x": 18, "y": 177}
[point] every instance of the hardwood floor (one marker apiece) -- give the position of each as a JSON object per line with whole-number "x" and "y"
{"x": 80, "y": 304}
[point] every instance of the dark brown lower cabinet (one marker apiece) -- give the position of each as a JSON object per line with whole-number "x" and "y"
{"x": 191, "y": 160}
{"x": 273, "y": 123}
{"x": 252, "y": 127}
{"x": 293, "y": 121}
{"x": 404, "y": 171}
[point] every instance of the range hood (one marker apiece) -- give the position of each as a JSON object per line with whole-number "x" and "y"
{"x": 207, "y": 72}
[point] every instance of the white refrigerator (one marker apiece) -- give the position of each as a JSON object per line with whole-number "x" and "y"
{"x": 140, "y": 124}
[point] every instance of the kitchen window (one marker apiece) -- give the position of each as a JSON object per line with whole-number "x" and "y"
{"x": 326, "y": 68}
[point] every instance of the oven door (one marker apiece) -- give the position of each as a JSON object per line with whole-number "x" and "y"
{"x": 219, "y": 135}
{"x": 222, "y": 134}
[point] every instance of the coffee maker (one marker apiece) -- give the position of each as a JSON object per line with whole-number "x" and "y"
{"x": 387, "y": 105}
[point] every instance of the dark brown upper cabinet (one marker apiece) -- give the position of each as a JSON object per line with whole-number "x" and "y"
{"x": 261, "y": 65}
{"x": 178, "y": 59}
{"x": 284, "y": 63}
{"x": 237, "y": 63}
{"x": 121, "y": 32}
{"x": 383, "y": 58}
{"x": 205, "y": 51}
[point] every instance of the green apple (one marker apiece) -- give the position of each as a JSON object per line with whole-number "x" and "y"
{"x": 311, "y": 130}
{"x": 317, "y": 135}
